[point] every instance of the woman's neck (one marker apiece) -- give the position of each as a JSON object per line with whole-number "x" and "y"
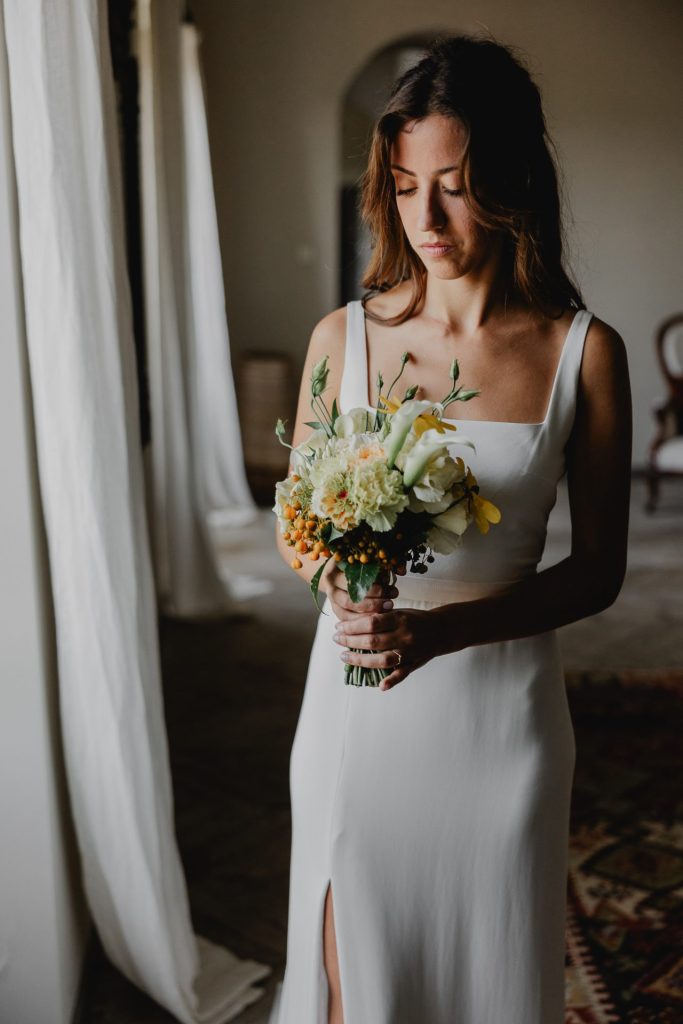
{"x": 466, "y": 303}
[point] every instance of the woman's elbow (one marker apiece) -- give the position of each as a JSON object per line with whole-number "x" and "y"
{"x": 604, "y": 584}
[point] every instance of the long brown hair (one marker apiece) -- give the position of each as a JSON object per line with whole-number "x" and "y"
{"x": 508, "y": 172}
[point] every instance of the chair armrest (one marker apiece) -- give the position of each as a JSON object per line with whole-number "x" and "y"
{"x": 664, "y": 412}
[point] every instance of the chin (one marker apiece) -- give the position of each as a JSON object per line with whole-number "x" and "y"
{"x": 446, "y": 271}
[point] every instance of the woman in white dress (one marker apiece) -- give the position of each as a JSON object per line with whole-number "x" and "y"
{"x": 430, "y": 815}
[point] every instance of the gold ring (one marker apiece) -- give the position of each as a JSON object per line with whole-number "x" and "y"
{"x": 398, "y": 655}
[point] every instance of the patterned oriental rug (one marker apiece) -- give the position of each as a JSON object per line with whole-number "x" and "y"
{"x": 625, "y": 915}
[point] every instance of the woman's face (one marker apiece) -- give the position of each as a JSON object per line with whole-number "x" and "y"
{"x": 425, "y": 162}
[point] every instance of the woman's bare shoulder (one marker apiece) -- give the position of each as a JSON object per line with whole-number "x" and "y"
{"x": 391, "y": 302}
{"x": 331, "y": 329}
{"x": 604, "y": 353}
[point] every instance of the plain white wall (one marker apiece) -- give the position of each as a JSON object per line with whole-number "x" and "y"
{"x": 611, "y": 75}
{"x": 43, "y": 920}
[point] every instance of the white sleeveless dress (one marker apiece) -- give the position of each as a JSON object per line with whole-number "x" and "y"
{"x": 439, "y": 810}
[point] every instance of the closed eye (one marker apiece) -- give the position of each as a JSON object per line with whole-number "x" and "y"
{"x": 447, "y": 191}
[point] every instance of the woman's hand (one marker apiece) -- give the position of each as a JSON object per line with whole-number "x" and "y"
{"x": 415, "y": 635}
{"x": 333, "y": 583}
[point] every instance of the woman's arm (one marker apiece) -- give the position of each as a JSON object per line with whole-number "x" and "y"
{"x": 328, "y": 339}
{"x": 599, "y": 472}
{"x": 599, "y": 481}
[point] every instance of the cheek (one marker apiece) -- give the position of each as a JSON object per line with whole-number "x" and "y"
{"x": 406, "y": 216}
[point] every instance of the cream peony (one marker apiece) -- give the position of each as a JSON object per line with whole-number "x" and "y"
{"x": 353, "y": 484}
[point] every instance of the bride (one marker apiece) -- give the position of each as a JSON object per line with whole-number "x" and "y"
{"x": 430, "y": 820}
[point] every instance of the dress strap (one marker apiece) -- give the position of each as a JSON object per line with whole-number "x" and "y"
{"x": 353, "y": 390}
{"x": 562, "y": 407}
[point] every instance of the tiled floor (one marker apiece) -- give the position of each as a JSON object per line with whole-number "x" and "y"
{"x": 232, "y": 695}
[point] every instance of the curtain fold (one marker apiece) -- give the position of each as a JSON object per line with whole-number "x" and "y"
{"x": 197, "y": 479}
{"x": 222, "y": 490}
{"x": 84, "y": 389}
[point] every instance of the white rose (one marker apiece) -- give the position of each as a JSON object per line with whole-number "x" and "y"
{"x": 447, "y": 529}
{"x": 354, "y": 422}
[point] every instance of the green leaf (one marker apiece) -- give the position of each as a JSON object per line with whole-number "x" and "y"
{"x": 360, "y": 578}
{"x": 315, "y": 583}
{"x": 316, "y": 424}
{"x": 465, "y": 396}
{"x": 334, "y": 415}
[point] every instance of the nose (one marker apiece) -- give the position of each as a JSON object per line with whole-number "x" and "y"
{"x": 431, "y": 214}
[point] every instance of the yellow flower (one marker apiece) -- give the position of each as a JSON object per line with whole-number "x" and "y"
{"x": 428, "y": 422}
{"x": 391, "y": 404}
{"x": 485, "y": 512}
{"x": 424, "y": 422}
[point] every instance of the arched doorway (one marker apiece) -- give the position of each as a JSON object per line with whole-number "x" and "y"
{"x": 362, "y": 104}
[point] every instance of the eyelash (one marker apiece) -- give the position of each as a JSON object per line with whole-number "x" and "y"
{"x": 409, "y": 191}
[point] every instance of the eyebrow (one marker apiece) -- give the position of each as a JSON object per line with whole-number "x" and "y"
{"x": 444, "y": 170}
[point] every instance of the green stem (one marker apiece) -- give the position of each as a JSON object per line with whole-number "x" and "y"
{"x": 397, "y": 377}
{"x": 323, "y": 413}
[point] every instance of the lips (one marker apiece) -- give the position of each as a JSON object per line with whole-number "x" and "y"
{"x": 436, "y": 249}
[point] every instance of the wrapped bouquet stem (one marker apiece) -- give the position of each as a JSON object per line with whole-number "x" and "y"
{"x": 378, "y": 491}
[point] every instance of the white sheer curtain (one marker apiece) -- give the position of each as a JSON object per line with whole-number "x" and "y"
{"x": 197, "y": 475}
{"x": 86, "y": 418}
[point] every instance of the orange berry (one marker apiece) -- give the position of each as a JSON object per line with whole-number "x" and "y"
{"x": 311, "y": 524}
{"x": 314, "y": 555}
{"x": 289, "y": 512}
{"x": 350, "y": 559}
{"x": 301, "y": 545}
{"x": 295, "y": 477}
{"x": 325, "y": 553}
{"x": 338, "y": 556}
{"x": 295, "y": 563}
{"x": 297, "y": 505}
{"x": 363, "y": 558}
{"x": 381, "y": 553}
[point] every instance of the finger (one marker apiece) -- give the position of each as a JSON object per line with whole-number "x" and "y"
{"x": 369, "y": 641}
{"x": 371, "y": 604}
{"x": 343, "y": 615}
{"x": 367, "y": 625}
{"x": 397, "y": 676}
{"x": 345, "y": 611}
{"x": 385, "y": 659}
{"x": 382, "y": 590}
{"x": 367, "y": 605}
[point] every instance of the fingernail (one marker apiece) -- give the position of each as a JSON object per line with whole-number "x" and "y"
{"x": 388, "y": 605}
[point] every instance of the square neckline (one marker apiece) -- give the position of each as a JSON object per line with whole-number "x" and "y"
{"x": 503, "y": 423}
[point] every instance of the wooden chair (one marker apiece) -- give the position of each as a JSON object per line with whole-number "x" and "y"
{"x": 666, "y": 449}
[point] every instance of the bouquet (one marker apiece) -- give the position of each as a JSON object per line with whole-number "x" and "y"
{"x": 378, "y": 491}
